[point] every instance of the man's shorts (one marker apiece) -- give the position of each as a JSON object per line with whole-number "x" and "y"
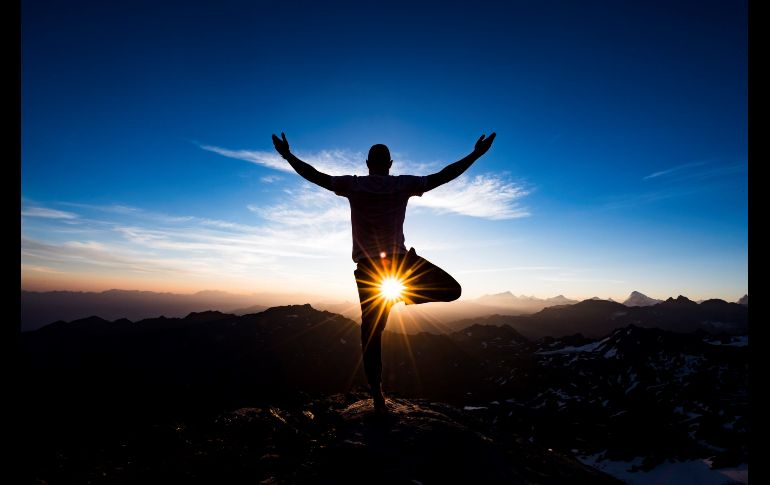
{"x": 421, "y": 280}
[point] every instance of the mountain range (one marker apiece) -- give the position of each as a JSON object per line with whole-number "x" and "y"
{"x": 41, "y": 308}
{"x": 595, "y": 318}
{"x": 273, "y": 396}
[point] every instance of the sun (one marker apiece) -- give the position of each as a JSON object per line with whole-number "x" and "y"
{"x": 391, "y": 288}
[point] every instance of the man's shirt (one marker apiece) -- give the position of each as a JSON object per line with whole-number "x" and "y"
{"x": 377, "y": 210}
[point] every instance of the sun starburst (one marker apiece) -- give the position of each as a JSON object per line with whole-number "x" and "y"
{"x": 391, "y": 288}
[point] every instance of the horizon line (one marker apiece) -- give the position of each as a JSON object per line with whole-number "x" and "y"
{"x": 578, "y": 299}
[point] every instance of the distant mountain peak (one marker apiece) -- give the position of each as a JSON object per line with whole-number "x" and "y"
{"x": 499, "y": 299}
{"x": 744, "y": 300}
{"x": 637, "y": 298}
{"x": 682, "y": 302}
{"x": 594, "y": 298}
{"x": 679, "y": 299}
{"x": 508, "y": 299}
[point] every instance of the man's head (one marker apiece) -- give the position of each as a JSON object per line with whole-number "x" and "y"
{"x": 379, "y": 161}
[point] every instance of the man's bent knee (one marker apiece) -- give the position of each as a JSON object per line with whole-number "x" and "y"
{"x": 454, "y": 292}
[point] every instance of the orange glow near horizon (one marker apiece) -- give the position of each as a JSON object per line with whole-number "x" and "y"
{"x": 33, "y": 279}
{"x": 339, "y": 287}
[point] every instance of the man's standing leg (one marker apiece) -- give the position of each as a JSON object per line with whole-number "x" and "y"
{"x": 374, "y": 317}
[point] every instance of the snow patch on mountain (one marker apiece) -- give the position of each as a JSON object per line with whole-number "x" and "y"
{"x": 694, "y": 472}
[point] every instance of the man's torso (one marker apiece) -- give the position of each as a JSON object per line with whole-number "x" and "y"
{"x": 377, "y": 210}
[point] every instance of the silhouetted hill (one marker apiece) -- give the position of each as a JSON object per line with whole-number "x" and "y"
{"x": 249, "y": 309}
{"x": 42, "y": 308}
{"x": 744, "y": 300}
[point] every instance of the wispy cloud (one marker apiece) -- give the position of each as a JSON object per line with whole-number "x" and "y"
{"x": 129, "y": 211}
{"x": 294, "y": 216}
{"x": 100, "y": 255}
{"x": 510, "y": 268}
{"x": 713, "y": 172}
{"x": 490, "y": 196}
{"x": 235, "y": 246}
{"x": 333, "y": 162}
{"x": 306, "y": 205}
{"x": 633, "y": 200}
{"x": 47, "y": 213}
{"x": 572, "y": 279}
{"x": 147, "y": 242}
{"x": 680, "y": 181}
{"x": 673, "y": 170}
{"x": 114, "y": 208}
{"x": 39, "y": 269}
{"x": 486, "y": 196}
{"x": 269, "y": 179}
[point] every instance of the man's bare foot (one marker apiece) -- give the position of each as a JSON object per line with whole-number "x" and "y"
{"x": 379, "y": 400}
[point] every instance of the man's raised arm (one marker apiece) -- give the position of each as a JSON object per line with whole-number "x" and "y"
{"x": 304, "y": 169}
{"x": 453, "y": 170}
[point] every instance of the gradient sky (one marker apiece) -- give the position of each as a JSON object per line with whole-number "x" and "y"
{"x": 620, "y": 162}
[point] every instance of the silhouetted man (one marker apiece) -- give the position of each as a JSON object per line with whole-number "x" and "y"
{"x": 386, "y": 272}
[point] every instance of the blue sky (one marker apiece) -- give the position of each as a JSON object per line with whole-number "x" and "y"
{"x": 620, "y": 162}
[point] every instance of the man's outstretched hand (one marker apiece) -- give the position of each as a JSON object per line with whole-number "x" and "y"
{"x": 282, "y": 145}
{"x": 482, "y": 145}
{"x": 305, "y": 170}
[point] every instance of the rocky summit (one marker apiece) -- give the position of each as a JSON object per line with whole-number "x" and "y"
{"x": 336, "y": 439}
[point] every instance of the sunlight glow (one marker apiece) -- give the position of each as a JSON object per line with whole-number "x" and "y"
{"x": 391, "y": 288}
